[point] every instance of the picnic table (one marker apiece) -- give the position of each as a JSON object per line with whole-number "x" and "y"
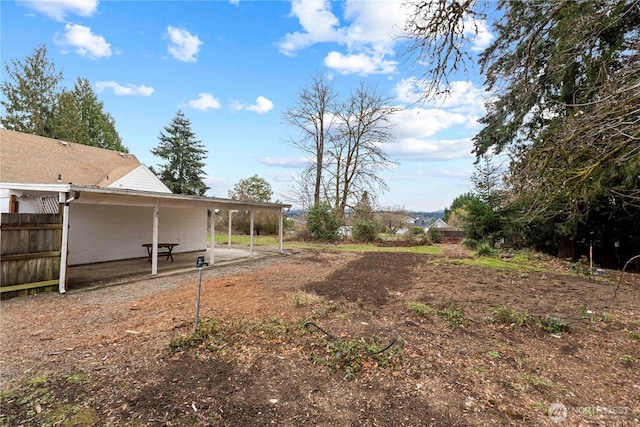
{"x": 168, "y": 252}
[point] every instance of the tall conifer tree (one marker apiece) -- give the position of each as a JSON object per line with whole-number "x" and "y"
{"x": 184, "y": 157}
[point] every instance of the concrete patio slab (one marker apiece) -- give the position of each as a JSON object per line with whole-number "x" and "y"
{"x": 129, "y": 270}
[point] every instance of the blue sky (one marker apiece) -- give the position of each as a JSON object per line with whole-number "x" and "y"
{"x": 234, "y": 67}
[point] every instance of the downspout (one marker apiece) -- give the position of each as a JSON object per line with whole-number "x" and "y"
{"x": 64, "y": 249}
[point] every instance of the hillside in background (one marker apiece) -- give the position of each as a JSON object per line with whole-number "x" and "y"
{"x": 422, "y": 218}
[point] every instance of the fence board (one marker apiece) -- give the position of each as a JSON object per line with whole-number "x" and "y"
{"x": 30, "y": 252}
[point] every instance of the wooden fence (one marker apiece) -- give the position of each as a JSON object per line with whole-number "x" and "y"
{"x": 30, "y": 253}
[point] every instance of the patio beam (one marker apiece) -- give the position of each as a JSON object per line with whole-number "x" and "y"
{"x": 250, "y": 234}
{"x": 229, "y": 238}
{"x": 154, "y": 254}
{"x": 280, "y": 231}
{"x": 212, "y": 232}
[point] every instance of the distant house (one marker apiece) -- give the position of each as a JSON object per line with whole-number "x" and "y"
{"x": 111, "y": 204}
{"x": 447, "y": 233}
{"x": 438, "y": 223}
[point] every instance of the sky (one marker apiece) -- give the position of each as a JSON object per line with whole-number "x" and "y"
{"x": 234, "y": 67}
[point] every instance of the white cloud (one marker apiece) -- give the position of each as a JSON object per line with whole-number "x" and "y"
{"x": 482, "y": 36}
{"x": 425, "y": 122}
{"x": 296, "y": 162}
{"x": 318, "y": 23}
{"x": 85, "y": 42}
{"x": 416, "y": 149}
{"x": 374, "y": 23}
{"x": 463, "y": 97}
{"x": 368, "y": 33}
{"x": 184, "y": 46}
{"x": 58, "y": 9}
{"x": 262, "y": 105}
{"x": 205, "y": 102}
{"x": 438, "y": 128}
{"x": 120, "y": 90}
{"x": 359, "y": 64}
{"x": 234, "y": 2}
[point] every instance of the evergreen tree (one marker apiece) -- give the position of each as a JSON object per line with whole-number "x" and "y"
{"x": 184, "y": 157}
{"x": 34, "y": 103}
{"x": 323, "y": 223}
{"x": 80, "y": 117}
{"x": 31, "y": 91}
{"x": 563, "y": 78}
{"x": 363, "y": 220}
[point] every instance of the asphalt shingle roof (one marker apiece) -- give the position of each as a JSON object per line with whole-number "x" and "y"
{"x": 26, "y": 158}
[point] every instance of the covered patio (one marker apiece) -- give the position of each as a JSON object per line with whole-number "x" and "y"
{"x": 106, "y": 232}
{"x": 110, "y": 273}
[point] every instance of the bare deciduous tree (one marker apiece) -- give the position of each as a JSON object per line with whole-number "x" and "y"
{"x": 345, "y": 139}
{"x": 312, "y": 117}
{"x": 355, "y": 154}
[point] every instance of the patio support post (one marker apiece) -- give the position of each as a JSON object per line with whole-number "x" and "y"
{"x": 229, "y": 239}
{"x": 280, "y": 231}
{"x": 64, "y": 249}
{"x": 154, "y": 255}
{"x": 250, "y": 234}
{"x": 212, "y": 231}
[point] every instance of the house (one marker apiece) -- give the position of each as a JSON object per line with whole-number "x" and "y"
{"x": 448, "y": 234}
{"x": 111, "y": 204}
{"x": 438, "y": 223}
{"x": 33, "y": 159}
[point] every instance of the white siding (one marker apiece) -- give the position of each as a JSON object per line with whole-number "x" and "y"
{"x": 141, "y": 178}
{"x": 25, "y": 204}
{"x": 106, "y": 232}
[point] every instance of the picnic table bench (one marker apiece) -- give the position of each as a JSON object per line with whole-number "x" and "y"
{"x": 168, "y": 252}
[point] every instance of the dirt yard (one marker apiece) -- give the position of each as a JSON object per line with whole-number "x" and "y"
{"x": 330, "y": 339}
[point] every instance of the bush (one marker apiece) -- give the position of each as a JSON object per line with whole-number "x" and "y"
{"x": 509, "y": 317}
{"x": 365, "y": 231}
{"x": 485, "y": 249}
{"x": 421, "y": 310}
{"x": 453, "y": 315}
{"x": 416, "y": 234}
{"x": 435, "y": 235}
{"x": 470, "y": 243}
{"x": 323, "y": 223}
{"x": 554, "y": 324}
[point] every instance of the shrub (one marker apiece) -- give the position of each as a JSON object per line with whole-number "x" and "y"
{"x": 323, "y": 223}
{"x": 416, "y": 234}
{"x": 485, "y": 249}
{"x": 453, "y": 315}
{"x": 554, "y": 324}
{"x": 365, "y": 231}
{"x": 422, "y": 310}
{"x": 508, "y": 316}
{"x": 435, "y": 235}
{"x": 470, "y": 243}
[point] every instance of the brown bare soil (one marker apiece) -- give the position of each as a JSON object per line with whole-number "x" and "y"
{"x": 290, "y": 341}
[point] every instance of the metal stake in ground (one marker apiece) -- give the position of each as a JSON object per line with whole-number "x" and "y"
{"x": 199, "y": 263}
